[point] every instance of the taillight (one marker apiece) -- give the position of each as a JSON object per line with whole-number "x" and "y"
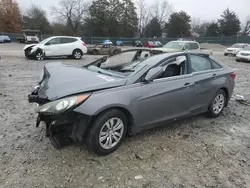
{"x": 233, "y": 75}
{"x": 83, "y": 43}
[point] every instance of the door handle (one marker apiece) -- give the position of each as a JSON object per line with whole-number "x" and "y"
{"x": 214, "y": 75}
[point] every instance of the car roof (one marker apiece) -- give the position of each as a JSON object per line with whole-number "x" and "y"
{"x": 65, "y": 37}
{"x": 152, "y": 60}
{"x": 184, "y": 41}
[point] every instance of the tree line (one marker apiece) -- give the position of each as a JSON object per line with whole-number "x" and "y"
{"x": 117, "y": 18}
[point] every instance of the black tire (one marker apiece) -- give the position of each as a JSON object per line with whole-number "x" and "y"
{"x": 77, "y": 54}
{"x": 225, "y": 54}
{"x": 237, "y": 60}
{"x": 211, "y": 111}
{"x": 92, "y": 138}
{"x": 95, "y": 52}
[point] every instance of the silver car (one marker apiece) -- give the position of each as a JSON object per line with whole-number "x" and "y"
{"x": 100, "y": 103}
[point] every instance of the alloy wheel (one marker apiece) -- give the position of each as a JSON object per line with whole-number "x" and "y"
{"x": 111, "y": 133}
{"x": 218, "y": 103}
{"x": 77, "y": 55}
{"x": 39, "y": 56}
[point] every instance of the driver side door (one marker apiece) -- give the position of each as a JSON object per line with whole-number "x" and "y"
{"x": 52, "y": 47}
{"x": 165, "y": 99}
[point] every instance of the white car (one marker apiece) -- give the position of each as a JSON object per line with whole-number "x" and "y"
{"x": 243, "y": 55}
{"x": 233, "y": 50}
{"x": 56, "y": 46}
{"x": 178, "y": 46}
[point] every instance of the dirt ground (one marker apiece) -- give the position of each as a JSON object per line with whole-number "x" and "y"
{"x": 196, "y": 152}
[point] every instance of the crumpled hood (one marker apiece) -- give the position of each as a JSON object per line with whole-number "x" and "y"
{"x": 60, "y": 80}
{"x": 34, "y": 46}
{"x": 168, "y": 49}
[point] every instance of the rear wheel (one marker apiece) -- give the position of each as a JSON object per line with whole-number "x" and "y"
{"x": 107, "y": 132}
{"x": 77, "y": 54}
{"x": 95, "y": 52}
{"x": 237, "y": 60}
{"x": 218, "y": 103}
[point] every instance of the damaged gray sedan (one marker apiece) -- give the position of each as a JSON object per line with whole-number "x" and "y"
{"x": 99, "y": 104}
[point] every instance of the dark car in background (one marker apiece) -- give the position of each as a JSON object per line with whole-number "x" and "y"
{"x": 5, "y": 39}
{"x": 137, "y": 43}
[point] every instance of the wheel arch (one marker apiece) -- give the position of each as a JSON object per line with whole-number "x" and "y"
{"x": 227, "y": 94}
{"x": 77, "y": 49}
{"x": 123, "y": 109}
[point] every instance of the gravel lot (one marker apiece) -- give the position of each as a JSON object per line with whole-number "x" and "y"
{"x": 195, "y": 152}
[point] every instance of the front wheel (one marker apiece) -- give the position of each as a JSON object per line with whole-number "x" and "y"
{"x": 107, "y": 132}
{"x": 39, "y": 55}
{"x": 77, "y": 54}
{"x": 217, "y": 105}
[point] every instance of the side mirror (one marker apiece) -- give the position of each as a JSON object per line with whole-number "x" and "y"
{"x": 183, "y": 48}
{"x": 153, "y": 73}
{"x": 47, "y": 44}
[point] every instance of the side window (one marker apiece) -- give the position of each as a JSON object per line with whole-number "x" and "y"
{"x": 188, "y": 46}
{"x": 215, "y": 65}
{"x": 199, "y": 63}
{"x": 67, "y": 40}
{"x": 194, "y": 46}
{"x": 106, "y": 46}
{"x": 174, "y": 67}
{"x": 54, "y": 41}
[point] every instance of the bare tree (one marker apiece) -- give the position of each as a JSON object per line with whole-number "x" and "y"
{"x": 72, "y": 11}
{"x": 161, "y": 10}
{"x": 143, "y": 11}
{"x": 246, "y": 30}
{"x": 195, "y": 24}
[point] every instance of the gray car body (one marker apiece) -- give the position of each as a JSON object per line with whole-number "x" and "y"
{"x": 146, "y": 104}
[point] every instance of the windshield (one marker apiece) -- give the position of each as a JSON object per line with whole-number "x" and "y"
{"x": 45, "y": 40}
{"x": 121, "y": 72}
{"x": 174, "y": 45}
{"x": 237, "y": 46}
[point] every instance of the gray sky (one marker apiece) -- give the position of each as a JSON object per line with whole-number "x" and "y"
{"x": 204, "y": 9}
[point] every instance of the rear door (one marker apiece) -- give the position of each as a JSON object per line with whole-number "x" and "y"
{"x": 105, "y": 49}
{"x": 205, "y": 73}
{"x": 67, "y": 45}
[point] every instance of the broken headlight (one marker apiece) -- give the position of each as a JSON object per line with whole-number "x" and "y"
{"x": 62, "y": 105}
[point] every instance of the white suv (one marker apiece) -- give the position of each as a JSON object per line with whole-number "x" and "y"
{"x": 56, "y": 46}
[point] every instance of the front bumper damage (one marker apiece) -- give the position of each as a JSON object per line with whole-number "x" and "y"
{"x": 63, "y": 129}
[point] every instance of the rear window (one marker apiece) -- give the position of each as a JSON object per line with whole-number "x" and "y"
{"x": 67, "y": 40}
{"x": 194, "y": 46}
